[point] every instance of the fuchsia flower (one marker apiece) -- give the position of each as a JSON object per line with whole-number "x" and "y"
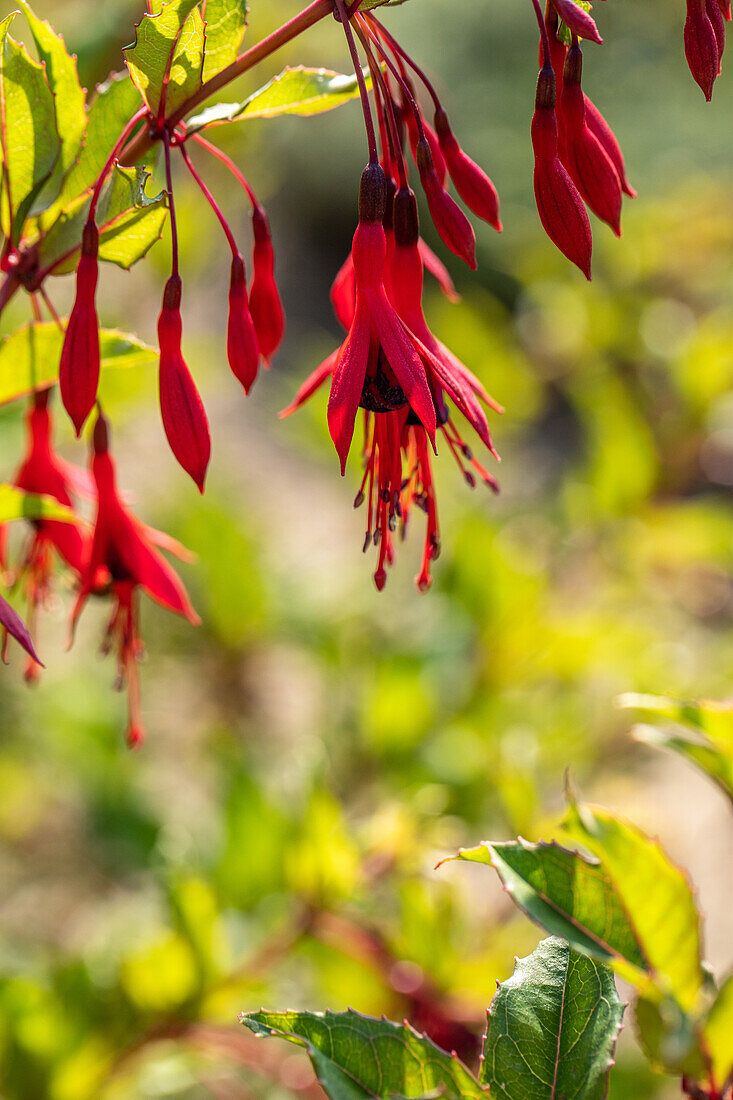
{"x": 398, "y": 432}
{"x": 454, "y": 228}
{"x": 264, "y": 298}
{"x": 44, "y": 473}
{"x": 471, "y": 182}
{"x": 79, "y": 366}
{"x": 702, "y": 45}
{"x": 123, "y": 555}
{"x": 590, "y": 167}
{"x": 184, "y": 416}
{"x": 242, "y": 347}
{"x": 577, "y": 20}
{"x": 560, "y": 206}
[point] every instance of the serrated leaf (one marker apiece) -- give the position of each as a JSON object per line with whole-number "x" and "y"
{"x": 129, "y": 223}
{"x": 17, "y": 504}
{"x": 29, "y": 358}
{"x": 569, "y": 896}
{"x": 69, "y": 99}
{"x": 358, "y": 1056}
{"x": 717, "y": 1036}
{"x": 294, "y": 91}
{"x": 705, "y": 738}
{"x": 29, "y": 141}
{"x": 169, "y": 41}
{"x": 653, "y": 892}
{"x": 226, "y": 22}
{"x": 552, "y": 1028}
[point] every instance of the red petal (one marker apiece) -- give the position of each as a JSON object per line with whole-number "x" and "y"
{"x": 348, "y": 383}
{"x": 311, "y": 384}
{"x": 12, "y": 624}
{"x": 399, "y": 346}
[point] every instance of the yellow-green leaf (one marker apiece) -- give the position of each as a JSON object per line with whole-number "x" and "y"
{"x": 17, "y": 504}
{"x": 717, "y": 1035}
{"x": 170, "y": 41}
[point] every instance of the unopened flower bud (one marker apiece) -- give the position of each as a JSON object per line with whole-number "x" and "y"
{"x": 242, "y": 348}
{"x": 79, "y": 365}
{"x": 577, "y": 20}
{"x": 184, "y": 416}
{"x": 454, "y": 228}
{"x": 701, "y": 47}
{"x": 265, "y": 306}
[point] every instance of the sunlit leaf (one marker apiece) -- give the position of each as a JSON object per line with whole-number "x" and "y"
{"x": 299, "y": 91}
{"x": 29, "y": 358}
{"x": 552, "y": 1027}
{"x": 169, "y": 43}
{"x": 69, "y": 98}
{"x": 702, "y": 732}
{"x": 226, "y": 22}
{"x": 29, "y": 141}
{"x": 357, "y": 1056}
{"x": 17, "y": 504}
{"x": 655, "y": 894}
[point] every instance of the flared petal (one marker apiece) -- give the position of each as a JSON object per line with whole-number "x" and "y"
{"x": 399, "y": 346}
{"x": 12, "y": 624}
{"x": 313, "y": 382}
{"x": 348, "y": 383}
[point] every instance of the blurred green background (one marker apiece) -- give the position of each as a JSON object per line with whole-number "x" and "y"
{"x": 315, "y": 746}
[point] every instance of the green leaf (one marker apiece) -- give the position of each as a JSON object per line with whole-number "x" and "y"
{"x": 669, "y": 1037}
{"x": 653, "y": 892}
{"x": 368, "y": 5}
{"x": 176, "y": 31}
{"x": 705, "y": 737}
{"x": 717, "y": 1035}
{"x": 552, "y": 1028}
{"x": 298, "y": 91}
{"x": 69, "y": 98}
{"x": 17, "y": 504}
{"x": 29, "y": 141}
{"x": 29, "y": 358}
{"x": 129, "y": 221}
{"x": 569, "y": 896}
{"x": 358, "y": 1056}
{"x": 226, "y": 22}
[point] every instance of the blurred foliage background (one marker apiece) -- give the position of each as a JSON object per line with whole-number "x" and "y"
{"x": 315, "y": 746}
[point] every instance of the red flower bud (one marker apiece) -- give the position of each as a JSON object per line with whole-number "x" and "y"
{"x": 413, "y": 134}
{"x": 452, "y": 224}
{"x": 242, "y": 348}
{"x": 701, "y": 47}
{"x": 264, "y": 299}
{"x": 560, "y": 207}
{"x": 79, "y": 366}
{"x": 577, "y": 20}
{"x": 597, "y": 124}
{"x": 184, "y": 416}
{"x": 471, "y": 182}
{"x": 590, "y": 167}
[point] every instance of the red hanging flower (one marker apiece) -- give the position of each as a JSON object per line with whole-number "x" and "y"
{"x": 454, "y": 228}
{"x": 184, "y": 416}
{"x": 560, "y": 207}
{"x": 701, "y": 46}
{"x": 588, "y": 163}
{"x": 577, "y": 20}
{"x": 79, "y": 366}
{"x": 44, "y": 473}
{"x": 264, "y": 298}
{"x": 242, "y": 348}
{"x": 471, "y": 182}
{"x": 123, "y": 555}
{"x": 379, "y": 365}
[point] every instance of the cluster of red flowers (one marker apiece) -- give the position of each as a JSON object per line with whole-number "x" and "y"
{"x": 255, "y": 325}
{"x": 406, "y": 383}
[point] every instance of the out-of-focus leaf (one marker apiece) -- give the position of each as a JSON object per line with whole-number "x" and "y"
{"x": 17, "y": 504}
{"x": 368, "y": 5}
{"x": 170, "y": 41}
{"x": 704, "y": 734}
{"x": 226, "y": 22}
{"x": 358, "y": 1056}
{"x": 69, "y": 99}
{"x": 29, "y": 358}
{"x": 717, "y": 1035}
{"x": 669, "y": 1037}
{"x": 552, "y": 1027}
{"x": 295, "y": 91}
{"x": 129, "y": 222}
{"x": 30, "y": 144}
{"x": 569, "y": 896}
{"x": 655, "y": 894}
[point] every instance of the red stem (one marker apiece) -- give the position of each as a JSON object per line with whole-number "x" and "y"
{"x": 229, "y": 163}
{"x": 171, "y": 204}
{"x": 368, "y": 120}
{"x": 398, "y": 50}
